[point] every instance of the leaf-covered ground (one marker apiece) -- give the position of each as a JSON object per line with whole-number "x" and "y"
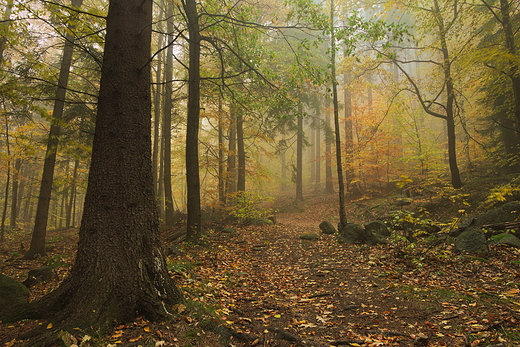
{"x": 264, "y": 286}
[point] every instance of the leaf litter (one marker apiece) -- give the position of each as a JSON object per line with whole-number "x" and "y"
{"x": 264, "y": 286}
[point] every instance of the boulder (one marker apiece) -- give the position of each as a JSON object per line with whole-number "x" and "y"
{"x": 229, "y": 230}
{"x": 403, "y": 202}
{"x": 309, "y": 236}
{"x": 327, "y": 228}
{"x": 12, "y": 294}
{"x": 37, "y": 275}
{"x": 472, "y": 241}
{"x": 352, "y": 233}
{"x": 377, "y": 227}
{"x": 505, "y": 239}
{"x": 509, "y": 212}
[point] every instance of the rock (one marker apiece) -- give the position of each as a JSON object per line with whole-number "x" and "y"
{"x": 508, "y": 212}
{"x": 377, "y": 227}
{"x": 403, "y": 202}
{"x": 229, "y": 230}
{"x": 375, "y": 239}
{"x": 37, "y": 275}
{"x": 352, "y": 233}
{"x": 12, "y": 294}
{"x": 327, "y": 228}
{"x": 272, "y": 219}
{"x": 173, "y": 250}
{"x": 472, "y": 241}
{"x": 505, "y": 239}
{"x": 309, "y": 236}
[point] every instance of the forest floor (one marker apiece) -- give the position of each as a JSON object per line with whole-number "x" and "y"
{"x": 264, "y": 286}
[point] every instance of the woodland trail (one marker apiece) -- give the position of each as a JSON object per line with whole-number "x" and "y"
{"x": 264, "y": 286}
{"x": 283, "y": 291}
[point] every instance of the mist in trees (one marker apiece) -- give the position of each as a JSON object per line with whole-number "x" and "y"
{"x": 246, "y": 100}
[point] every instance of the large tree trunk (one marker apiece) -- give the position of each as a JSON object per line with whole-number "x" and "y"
{"x": 44, "y": 198}
{"x": 514, "y": 68}
{"x": 192, "y": 128}
{"x": 119, "y": 272}
{"x": 169, "y": 209}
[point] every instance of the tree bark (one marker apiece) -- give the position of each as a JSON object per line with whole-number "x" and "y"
{"x": 349, "y": 135}
{"x": 169, "y": 209}
{"x": 15, "y": 193}
{"x": 7, "y": 181}
{"x": 317, "y": 186}
{"x": 335, "y": 103}
{"x": 5, "y": 25}
{"x": 299, "y": 157}
{"x": 232, "y": 156}
{"x": 514, "y": 69}
{"x": 221, "y": 158}
{"x": 192, "y": 129}
{"x": 73, "y": 188}
{"x": 37, "y": 247}
{"x": 157, "y": 122}
{"x": 241, "y": 154}
{"x": 450, "y": 100}
{"x": 329, "y": 186}
{"x": 119, "y": 272}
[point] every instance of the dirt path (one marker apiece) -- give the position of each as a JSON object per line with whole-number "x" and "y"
{"x": 267, "y": 287}
{"x": 284, "y": 291}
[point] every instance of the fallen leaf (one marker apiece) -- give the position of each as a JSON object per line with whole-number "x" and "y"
{"x": 136, "y": 339}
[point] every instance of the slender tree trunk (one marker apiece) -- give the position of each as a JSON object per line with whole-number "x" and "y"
{"x": 7, "y": 181}
{"x": 339, "y": 165}
{"x": 349, "y": 135}
{"x": 192, "y": 128}
{"x": 299, "y": 157}
{"x": 232, "y": 156}
{"x": 241, "y": 154}
{"x": 44, "y": 198}
{"x": 5, "y": 26}
{"x": 119, "y": 272}
{"x": 221, "y": 158}
{"x": 450, "y": 99}
{"x": 157, "y": 121}
{"x": 329, "y": 186}
{"x": 317, "y": 186}
{"x": 73, "y": 188}
{"x": 169, "y": 209}
{"x": 15, "y": 195}
{"x": 283, "y": 158}
{"x": 312, "y": 155}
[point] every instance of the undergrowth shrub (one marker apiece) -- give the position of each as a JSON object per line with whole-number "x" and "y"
{"x": 247, "y": 207}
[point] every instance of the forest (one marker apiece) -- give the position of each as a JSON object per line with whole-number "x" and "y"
{"x": 259, "y": 173}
